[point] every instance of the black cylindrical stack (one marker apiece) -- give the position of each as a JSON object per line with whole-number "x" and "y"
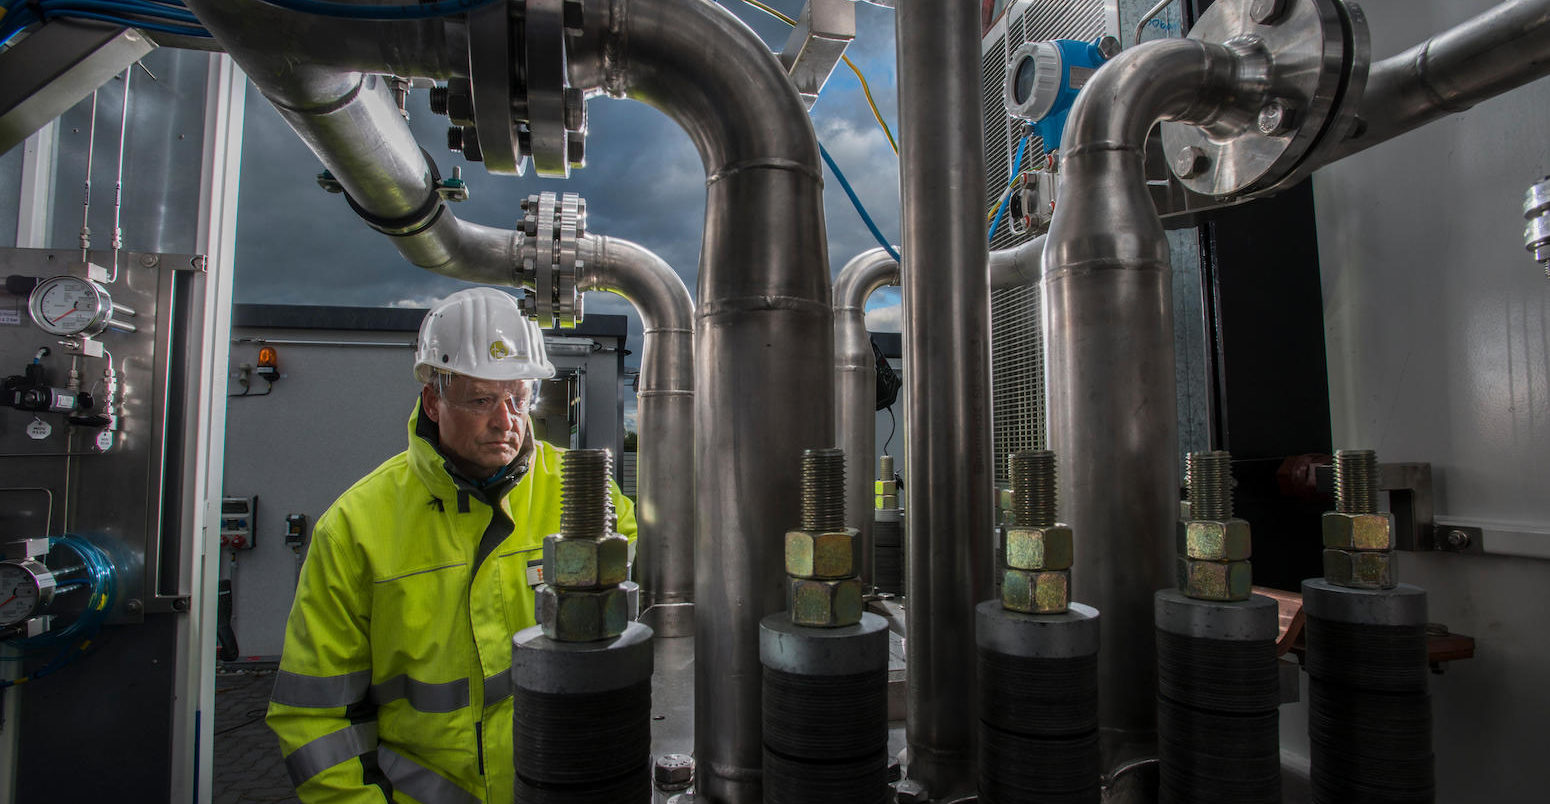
{"x": 1369, "y": 713}
{"x": 1038, "y": 687}
{"x": 888, "y": 550}
{"x": 1218, "y": 693}
{"x": 582, "y": 718}
{"x": 825, "y": 711}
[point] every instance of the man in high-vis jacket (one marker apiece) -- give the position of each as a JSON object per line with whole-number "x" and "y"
{"x": 393, "y": 685}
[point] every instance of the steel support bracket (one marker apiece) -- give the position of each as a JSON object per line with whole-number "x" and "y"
{"x": 56, "y": 66}
{"x": 817, "y": 43}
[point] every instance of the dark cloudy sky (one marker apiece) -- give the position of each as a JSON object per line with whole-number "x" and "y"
{"x": 643, "y": 182}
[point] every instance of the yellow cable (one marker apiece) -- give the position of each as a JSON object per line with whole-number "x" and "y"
{"x": 865, "y": 87}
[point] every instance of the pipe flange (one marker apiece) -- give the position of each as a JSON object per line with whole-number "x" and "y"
{"x": 491, "y": 69}
{"x": 555, "y": 113}
{"x": 1303, "y": 71}
{"x": 553, "y": 226}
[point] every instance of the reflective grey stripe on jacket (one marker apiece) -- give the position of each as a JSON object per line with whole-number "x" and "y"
{"x": 330, "y": 750}
{"x": 419, "y": 781}
{"x": 423, "y": 696}
{"x": 320, "y": 692}
{"x": 497, "y": 688}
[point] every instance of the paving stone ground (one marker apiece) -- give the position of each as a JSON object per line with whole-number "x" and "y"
{"x": 248, "y": 765}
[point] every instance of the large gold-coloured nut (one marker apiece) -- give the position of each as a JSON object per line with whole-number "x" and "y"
{"x": 1036, "y": 591}
{"x": 586, "y": 563}
{"x": 1047, "y": 548}
{"x": 1360, "y": 569}
{"x": 1358, "y": 531}
{"x": 1215, "y": 540}
{"x": 582, "y": 615}
{"x": 1216, "y": 580}
{"x": 824, "y": 604}
{"x": 823, "y": 554}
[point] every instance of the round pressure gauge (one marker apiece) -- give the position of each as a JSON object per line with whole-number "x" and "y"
{"x": 25, "y": 587}
{"x": 70, "y": 305}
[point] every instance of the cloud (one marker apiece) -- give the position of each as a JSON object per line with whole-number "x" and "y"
{"x": 885, "y": 319}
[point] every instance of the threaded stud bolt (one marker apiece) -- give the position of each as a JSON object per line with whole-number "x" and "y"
{"x": 1210, "y": 485}
{"x": 1356, "y": 481}
{"x": 1033, "y": 488}
{"x": 823, "y": 490}
{"x": 586, "y": 507}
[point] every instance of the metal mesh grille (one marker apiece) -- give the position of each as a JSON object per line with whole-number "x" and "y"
{"x": 1017, "y": 341}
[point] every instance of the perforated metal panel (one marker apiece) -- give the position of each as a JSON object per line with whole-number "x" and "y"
{"x": 1017, "y": 341}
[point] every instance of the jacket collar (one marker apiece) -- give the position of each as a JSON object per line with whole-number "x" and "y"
{"x": 442, "y": 477}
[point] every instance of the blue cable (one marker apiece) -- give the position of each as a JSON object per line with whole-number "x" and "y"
{"x": 856, "y": 202}
{"x": 1017, "y": 166}
{"x": 409, "y": 11}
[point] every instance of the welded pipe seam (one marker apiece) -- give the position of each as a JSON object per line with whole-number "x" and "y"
{"x": 762, "y": 164}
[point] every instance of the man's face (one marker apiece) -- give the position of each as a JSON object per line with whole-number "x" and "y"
{"x": 482, "y": 422}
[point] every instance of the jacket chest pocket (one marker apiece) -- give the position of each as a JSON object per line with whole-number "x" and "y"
{"x": 420, "y": 612}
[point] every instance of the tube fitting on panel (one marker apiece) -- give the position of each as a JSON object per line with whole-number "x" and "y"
{"x": 1536, "y": 235}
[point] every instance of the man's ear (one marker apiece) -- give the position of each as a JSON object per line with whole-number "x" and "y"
{"x": 428, "y": 404}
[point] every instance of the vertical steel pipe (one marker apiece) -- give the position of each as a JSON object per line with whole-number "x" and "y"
{"x": 1502, "y": 49}
{"x": 764, "y": 336}
{"x": 947, "y": 375}
{"x": 855, "y": 389}
{"x": 1108, "y": 316}
{"x": 664, "y": 558}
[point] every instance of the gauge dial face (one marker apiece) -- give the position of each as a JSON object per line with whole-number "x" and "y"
{"x": 19, "y": 594}
{"x": 70, "y": 305}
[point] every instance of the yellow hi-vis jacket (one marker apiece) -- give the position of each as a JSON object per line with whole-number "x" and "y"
{"x": 393, "y": 684}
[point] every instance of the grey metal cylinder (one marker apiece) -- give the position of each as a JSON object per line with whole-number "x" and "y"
{"x": 582, "y": 717}
{"x": 1217, "y": 700}
{"x": 825, "y": 725}
{"x": 1038, "y": 686}
{"x": 1369, "y": 711}
{"x": 946, "y": 291}
{"x": 664, "y": 559}
{"x": 855, "y": 390}
{"x": 1110, "y": 363}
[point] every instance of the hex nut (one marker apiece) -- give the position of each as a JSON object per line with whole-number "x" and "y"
{"x": 824, "y": 603}
{"x": 1215, "y": 540}
{"x": 1222, "y": 581}
{"x": 1358, "y": 531}
{"x": 586, "y": 563}
{"x": 581, "y": 615}
{"x": 823, "y": 554}
{"x": 1046, "y": 548}
{"x": 1360, "y": 569}
{"x": 1036, "y": 591}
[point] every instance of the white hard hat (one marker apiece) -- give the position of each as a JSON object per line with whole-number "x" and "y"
{"x": 481, "y": 333}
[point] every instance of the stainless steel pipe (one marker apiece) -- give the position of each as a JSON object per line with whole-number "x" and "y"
{"x": 855, "y": 389}
{"x": 764, "y": 337}
{"x": 1502, "y": 49}
{"x": 1020, "y": 265}
{"x": 351, "y": 122}
{"x": 1110, "y": 363}
{"x": 664, "y": 557}
{"x": 947, "y": 375}
{"x": 855, "y": 367}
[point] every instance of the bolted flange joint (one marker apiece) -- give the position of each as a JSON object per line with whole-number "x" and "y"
{"x": 552, "y": 226}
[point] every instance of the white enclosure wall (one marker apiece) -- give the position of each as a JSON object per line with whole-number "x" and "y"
{"x": 1438, "y": 337}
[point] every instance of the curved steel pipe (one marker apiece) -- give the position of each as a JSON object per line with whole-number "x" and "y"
{"x": 855, "y": 389}
{"x": 351, "y": 122}
{"x": 1502, "y": 49}
{"x": 1020, "y": 265}
{"x": 946, "y": 292}
{"x": 764, "y": 337}
{"x": 664, "y": 557}
{"x": 1109, "y": 341}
